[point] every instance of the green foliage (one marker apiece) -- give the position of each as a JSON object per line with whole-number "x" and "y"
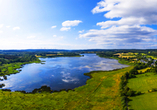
{"x": 100, "y": 92}
{"x": 9, "y": 63}
{"x": 125, "y": 90}
{"x": 133, "y": 71}
{"x": 154, "y": 89}
{"x": 7, "y": 59}
{"x": 143, "y": 82}
{"x": 145, "y": 101}
{"x": 61, "y": 54}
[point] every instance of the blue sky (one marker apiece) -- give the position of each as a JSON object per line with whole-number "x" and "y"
{"x": 78, "y": 24}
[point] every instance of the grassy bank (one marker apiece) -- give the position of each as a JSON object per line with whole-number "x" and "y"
{"x": 53, "y": 55}
{"x": 141, "y": 88}
{"x": 120, "y": 60}
{"x": 101, "y": 92}
{"x": 7, "y": 69}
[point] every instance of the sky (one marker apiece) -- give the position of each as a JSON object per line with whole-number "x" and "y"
{"x": 78, "y": 24}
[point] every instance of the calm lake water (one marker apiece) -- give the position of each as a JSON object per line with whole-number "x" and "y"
{"x": 58, "y": 73}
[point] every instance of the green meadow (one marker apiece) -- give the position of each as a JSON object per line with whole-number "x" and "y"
{"x": 143, "y": 83}
{"x": 101, "y": 92}
{"x": 7, "y": 69}
{"x": 144, "y": 70}
{"x": 147, "y": 101}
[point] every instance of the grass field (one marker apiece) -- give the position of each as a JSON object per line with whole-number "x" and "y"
{"x": 143, "y": 82}
{"x": 100, "y": 93}
{"x": 148, "y": 56}
{"x": 144, "y": 70}
{"x": 144, "y": 102}
{"x": 126, "y": 55}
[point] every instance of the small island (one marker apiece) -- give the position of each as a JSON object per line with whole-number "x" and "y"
{"x": 58, "y": 54}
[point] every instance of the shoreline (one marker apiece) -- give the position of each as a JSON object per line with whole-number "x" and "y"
{"x": 51, "y": 91}
{"x": 100, "y": 90}
{"x": 20, "y": 65}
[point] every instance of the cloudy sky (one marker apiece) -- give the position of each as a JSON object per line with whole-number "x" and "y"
{"x": 78, "y": 24}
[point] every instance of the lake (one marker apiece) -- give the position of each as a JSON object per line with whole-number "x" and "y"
{"x": 58, "y": 73}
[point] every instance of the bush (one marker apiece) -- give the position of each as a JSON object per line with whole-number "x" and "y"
{"x": 138, "y": 93}
{"x": 154, "y": 89}
{"x": 130, "y": 93}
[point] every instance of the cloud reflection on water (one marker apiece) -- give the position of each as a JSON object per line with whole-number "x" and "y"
{"x": 59, "y": 73}
{"x": 67, "y": 77}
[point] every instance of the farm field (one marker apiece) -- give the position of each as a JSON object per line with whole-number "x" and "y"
{"x": 144, "y": 70}
{"x": 143, "y": 82}
{"x": 148, "y": 56}
{"x": 143, "y": 102}
{"x": 126, "y": 55}
{"x": 100, "y": 93}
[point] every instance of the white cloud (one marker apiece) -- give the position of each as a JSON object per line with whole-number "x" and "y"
{"x": 16, "y": 28}
{"x": 130, "y": 11}
{"x": 71, "y": 23}
{"x": 1, "y": 31}
{"x": 53, "y": 27}
{"x": 66, "y": 25}
{"x": 81, "y": 31}
{"x": 100, "y": 6}
{"x": 121, "y": 34}
{"x": 65, "y": 28}
{"x": 7, "y": 26}
{"x": 1, "y": 25}
{"x": 129, "y": 28}
{"x": 31, "y": 37}
{"x": 54, "y": 35}
{"x": 123, "y": 21}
